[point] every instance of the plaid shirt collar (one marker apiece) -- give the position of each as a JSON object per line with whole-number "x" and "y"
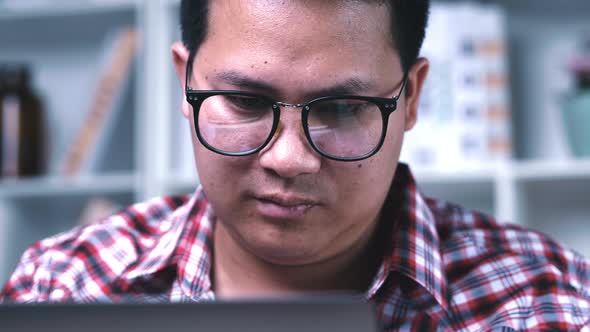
{"x": 413, "y": 251}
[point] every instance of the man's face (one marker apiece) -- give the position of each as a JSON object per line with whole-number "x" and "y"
{"x": 287, "y": 204}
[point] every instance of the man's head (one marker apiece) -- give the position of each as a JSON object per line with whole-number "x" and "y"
{"x": 407, "y": 25}
{"x": 286, "y": 204}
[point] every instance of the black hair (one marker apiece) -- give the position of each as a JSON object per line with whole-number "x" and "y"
{"x": 408, "y": 26}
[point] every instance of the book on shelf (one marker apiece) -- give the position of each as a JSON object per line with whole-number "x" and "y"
{"x": 89, "y": 144}
{"x": 464, "y": 113}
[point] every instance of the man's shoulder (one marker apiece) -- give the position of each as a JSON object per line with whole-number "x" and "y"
{"x": 93, "y": 255}
{"x": 140, "y": 223}
{"x": 510, "y": 270}
{"x": 461, "y": 229}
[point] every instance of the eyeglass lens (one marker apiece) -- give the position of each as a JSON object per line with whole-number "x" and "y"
{"x": 345, "y": 128}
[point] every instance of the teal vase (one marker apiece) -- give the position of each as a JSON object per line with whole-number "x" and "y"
{"x": 576, "y": 115}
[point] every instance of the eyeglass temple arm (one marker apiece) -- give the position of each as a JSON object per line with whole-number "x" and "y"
{"x": 189, "y": 69}
{"x": 404, "y": 83}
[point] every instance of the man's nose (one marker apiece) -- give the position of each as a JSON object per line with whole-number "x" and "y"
{"x": 289, "y": 154}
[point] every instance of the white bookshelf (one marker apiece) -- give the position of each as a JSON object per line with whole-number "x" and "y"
{"x": 546, "y": 191}
{"x": 49, "y": 186}
{"x": 62, "y": 42}
{"x": 548, "y": 171}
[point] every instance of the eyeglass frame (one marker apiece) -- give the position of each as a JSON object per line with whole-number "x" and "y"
{"x": 386, "y": 105}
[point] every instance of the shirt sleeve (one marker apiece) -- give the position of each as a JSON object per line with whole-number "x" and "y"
{"x": 46, "y": 270}
{"x": 30, "y": 281}
{"x": 85, "y": 263}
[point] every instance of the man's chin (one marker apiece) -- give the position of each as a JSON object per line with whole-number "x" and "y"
{"x": 278, "y": 242}
{"x": 284, "y": 255}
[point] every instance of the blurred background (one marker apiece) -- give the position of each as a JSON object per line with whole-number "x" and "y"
{"x": 90, "y": 120}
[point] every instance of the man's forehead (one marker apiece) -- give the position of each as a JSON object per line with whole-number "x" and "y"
{"x": 298, "y": 6}
{"x": 295, "y": 46}
{"x": 300, "y": 26}
{"x": 355, "y": 15}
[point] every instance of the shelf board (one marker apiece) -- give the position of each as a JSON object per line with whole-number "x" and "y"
{"x": 173, "y": 3}
{"x": 544, "y": 7}
{"x": 435, "y": 175}
{"x": 58, "y": 185}
{"x": 39, "y": 9}
{"x": 519, "y": 170}
{"x": 552, "y": 170}
{"x": 184, "y": 183}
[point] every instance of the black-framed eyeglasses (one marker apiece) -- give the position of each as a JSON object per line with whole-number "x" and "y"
{"x": 343, "y": 127}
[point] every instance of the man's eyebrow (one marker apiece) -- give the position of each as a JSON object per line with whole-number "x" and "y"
{"x": 349, "y": 86}
{"x": 244, "y": 82}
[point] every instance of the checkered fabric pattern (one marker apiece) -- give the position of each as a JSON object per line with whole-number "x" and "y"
{"x": 444, "y": 268}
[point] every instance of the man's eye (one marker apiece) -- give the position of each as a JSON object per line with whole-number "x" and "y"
{"x": 341, "y": 108}
{"x": 247, "y": 103}
{"x": 335, "y": 111}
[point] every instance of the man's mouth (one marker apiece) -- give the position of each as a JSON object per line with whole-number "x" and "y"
{"x": 281, "y": 206}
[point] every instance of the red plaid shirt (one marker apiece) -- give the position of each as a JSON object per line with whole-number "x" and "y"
{"x": 444, "y": 268}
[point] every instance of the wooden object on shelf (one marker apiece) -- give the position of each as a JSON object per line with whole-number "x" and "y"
{"x": 97, "y": 209}
{"x": 84, "y": 148}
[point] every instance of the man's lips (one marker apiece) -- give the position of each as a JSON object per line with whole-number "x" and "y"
{"x": 287, "y": 200}
{"x": 283, "y": 206}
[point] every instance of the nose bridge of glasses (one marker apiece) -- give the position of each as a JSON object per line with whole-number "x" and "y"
{"x": 289, "y": 118}
{"x": 282, "y": 104}
{"x": 278, "y": 105}
{"x": 290, "y": 121}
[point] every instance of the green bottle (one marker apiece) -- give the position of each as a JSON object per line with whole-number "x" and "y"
{"x": 577, "y": 115}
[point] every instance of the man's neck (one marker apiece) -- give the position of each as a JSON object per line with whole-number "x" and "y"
{"x": 238, "y": 273}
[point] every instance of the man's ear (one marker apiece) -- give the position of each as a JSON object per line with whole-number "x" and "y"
{"x": 416, "y": 78}
{"x": 180, "y": 58}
